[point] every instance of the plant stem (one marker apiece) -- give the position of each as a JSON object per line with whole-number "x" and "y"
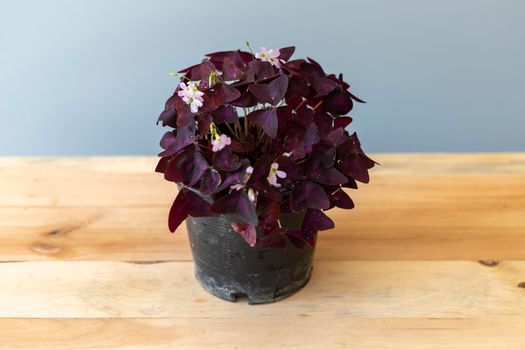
{"x": 232, "y": 131}
{"x": 317, "y": 105}
{"x": 300, "y": 104}
{"x": 246, "y": 126}
{"x": 249, "y": 47}
{"x": 237, "y": 127}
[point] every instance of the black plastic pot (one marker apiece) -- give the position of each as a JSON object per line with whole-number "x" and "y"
{"x": 227, "y": 267}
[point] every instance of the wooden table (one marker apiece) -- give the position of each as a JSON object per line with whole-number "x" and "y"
{"x": 88, "y": 262}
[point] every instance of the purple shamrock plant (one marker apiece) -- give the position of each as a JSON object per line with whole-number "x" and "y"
{"x": 259, "y": 135}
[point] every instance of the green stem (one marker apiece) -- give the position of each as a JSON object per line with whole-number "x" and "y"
{"x": 249, "y": 47}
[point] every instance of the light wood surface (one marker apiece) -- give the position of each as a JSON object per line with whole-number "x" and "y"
{"x": 87, "y": 262}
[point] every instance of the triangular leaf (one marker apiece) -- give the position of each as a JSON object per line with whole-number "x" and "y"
{"x": 266, "y": 119}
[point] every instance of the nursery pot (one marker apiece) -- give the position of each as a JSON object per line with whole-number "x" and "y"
{"x": 227, "y": 267}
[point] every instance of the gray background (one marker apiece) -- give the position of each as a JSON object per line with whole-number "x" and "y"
{"x": 90, "y": 77}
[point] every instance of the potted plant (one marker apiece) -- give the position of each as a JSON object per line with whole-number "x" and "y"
{"x": 259, "y": 151}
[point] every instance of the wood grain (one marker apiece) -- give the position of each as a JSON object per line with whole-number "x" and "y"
{"x": 283, "y": 333}
{"x": 418, "y": 206}
{"x": 128, "y": 181}
{"x": 358, "y": 289}
{"x": 86, "y": 262}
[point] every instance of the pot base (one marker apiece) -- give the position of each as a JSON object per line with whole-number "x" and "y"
{"x": 227, "y": 267}
{"x": 231, "y": 291}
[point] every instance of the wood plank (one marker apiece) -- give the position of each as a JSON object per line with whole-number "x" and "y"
{"x": 128, "y": 181}
{"x": 437, "y": 206}
{"x": 90, "y": 233}
{"x": 140, "y": 234}
{"x": 283, "y": 333}
{"x": 82, "y": 181}
{"x": 360, "y": 289}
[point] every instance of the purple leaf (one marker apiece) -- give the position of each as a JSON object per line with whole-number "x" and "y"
{"x": 311, "y": 136}
{"x": 220, "y": 95}
{"x": 228, "y": 93}
{"x": 178, "y": 212}
{"x": 337, "y": 102}
{"x": 167, "y": 140}
{"x": 310, "y": 71}
{"x": 230, "y": 70}
{"x": 356, "y": 166}
{"x": 308, "y": 194}
{"x": 324, "y": 122}
{"x": 322, "y": 155}
{"x": 319, "y": 166}
{"x": 249, "y": 77}
{"x": 258, "y": 180}
{"x": 226, "y": 160}
{"x": 203, "y": 121}
{"x": 342, "y": 122}
{"x": 295, "y": 65}
{"x": 162, "y": 165}
{"x": 323, "y": 86}
{"x": 316, "y": 66}
{"x": 224, "y": 114}
{"x": 245, "y": 100}
{"x": 269, "y": 213}
{"x": 297, "y": 87}
{"x": 301, "y": 139}
{"x": 303, "y": 116}
{"x": 271, "y": 92}
{"x": 247, "y": 232}
{"x": 260, "y": 172}
{"x": 186, "y": 167}
{"x": 286, "y": 52}
{"x": 202, "y": 71}
{"x": 341, "y": 199}
{"x": 315, "y": 220}
{"x": 263, "y": 70}
{"x": 350, "y": 184}
{"x": 266, "y": 119}
{"x": 234, "y": 177}
{"x": 210, "y": 181}
{"x": 292, "y": 170}
{"x": 237, "y": 204}
{"x": 187, "y": 203}
{"x": 237, "y": 56}
{"x": 200, "y": 165}
{"x": 284, "y": 114}
{"x": 355, "y": 98}
{"x": 354, "y": 162}
{"x": 169, "y": 115}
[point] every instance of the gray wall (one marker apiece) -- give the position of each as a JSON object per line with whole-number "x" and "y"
{"x": 90, "y": 77}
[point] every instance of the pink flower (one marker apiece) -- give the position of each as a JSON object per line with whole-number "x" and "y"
{"x": 271, "y": 56}
{"x": 191, "y": 95}
{"x": 247, "y": 174}
{"x": 220, "y": 142}
{"x": 195, "y": 102}
{"x": 274, "y": 174}
{"x": 189, "y": 90}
